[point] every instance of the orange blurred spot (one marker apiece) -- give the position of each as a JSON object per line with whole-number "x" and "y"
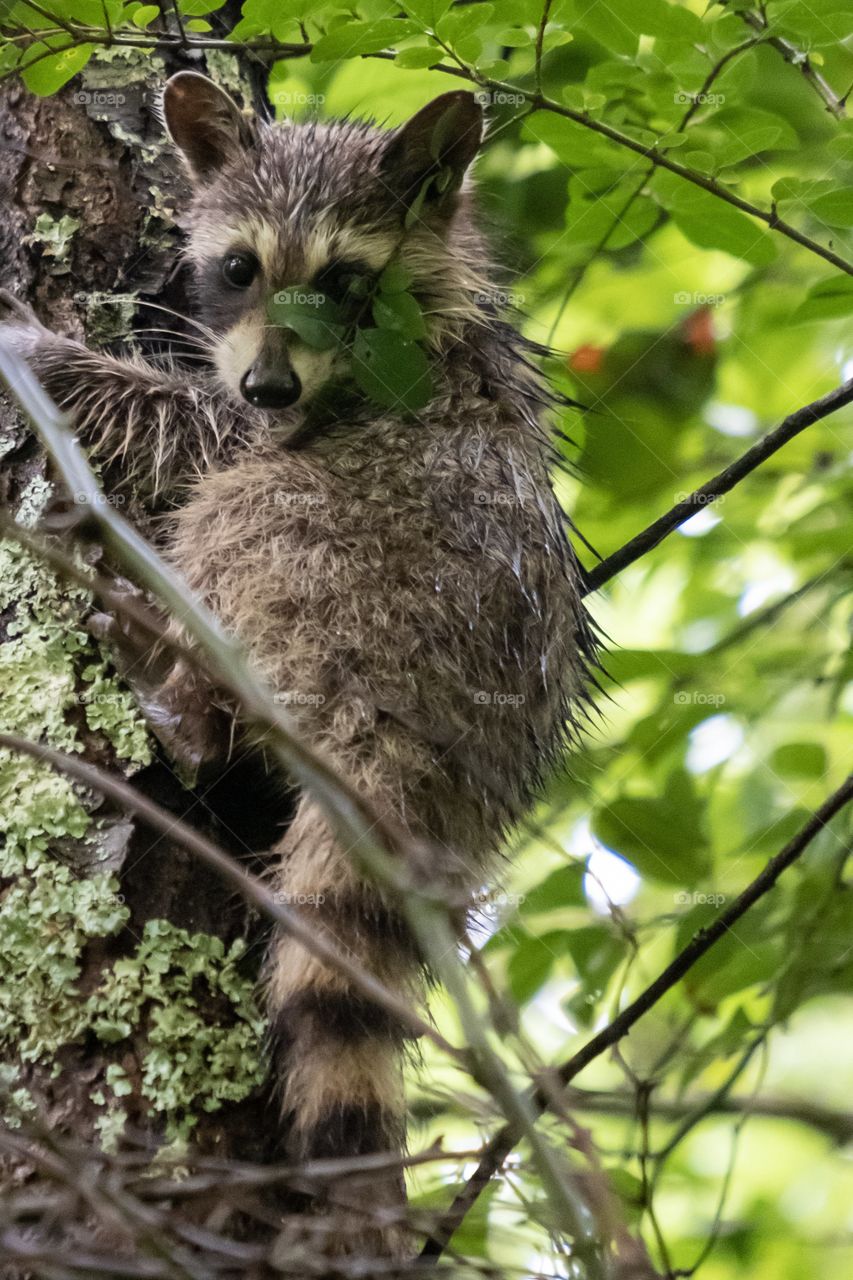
{"x": 698, "y": 332}
{"x": 587, "y": 359}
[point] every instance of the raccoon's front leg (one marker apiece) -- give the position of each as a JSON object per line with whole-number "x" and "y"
{"x": 164, "y": 427}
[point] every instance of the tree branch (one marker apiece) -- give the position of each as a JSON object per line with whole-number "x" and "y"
{"x": 502, "y": 1143}
{"x": 351, "y": 816}
{"x": 535, "y": 98}
{"x": 800, "y": 59}
{"x": 720, "y": 484}
{"x": 837, "y": 1125}
{"x": 658, "y": 159}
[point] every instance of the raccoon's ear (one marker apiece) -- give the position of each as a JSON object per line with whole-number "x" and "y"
{"x": 426, "y": 158}
{"x": 205, "y": 123}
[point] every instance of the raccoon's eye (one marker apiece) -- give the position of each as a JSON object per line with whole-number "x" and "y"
{"x": 344, "y": 281}
{"x": 239, "y": 269}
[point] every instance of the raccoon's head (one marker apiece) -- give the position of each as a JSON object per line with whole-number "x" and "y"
{"x": 322, "y": 206}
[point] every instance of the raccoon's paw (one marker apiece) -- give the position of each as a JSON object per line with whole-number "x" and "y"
{"x": 20, "y": 328}
{"x": 178, "y": 702}
{"x": 188, "y": 719}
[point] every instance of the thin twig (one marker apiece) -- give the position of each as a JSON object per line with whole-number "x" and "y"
{"x": 720, "y": 484}
{"x": 800, "y": 59}
{"x": 837, "y": 1125}
{"x": 535, "y": 98}
{"x": 352, "y": 818}
{"x": 498, "y": 1148}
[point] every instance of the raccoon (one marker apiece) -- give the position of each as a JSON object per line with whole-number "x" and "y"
{"x": 404, "y": 581}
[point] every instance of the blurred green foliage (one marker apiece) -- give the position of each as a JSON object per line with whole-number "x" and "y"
{"x": 689, "y": 328}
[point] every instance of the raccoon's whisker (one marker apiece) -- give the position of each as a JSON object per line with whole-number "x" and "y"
{"x": 170, "y": 311}
{"x": 187, "y": 340}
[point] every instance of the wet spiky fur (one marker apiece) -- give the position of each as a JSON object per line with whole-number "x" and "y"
{"x": 405, "y": 585}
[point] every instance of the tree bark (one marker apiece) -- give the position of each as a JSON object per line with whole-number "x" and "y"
{"x": 135, "y": 967}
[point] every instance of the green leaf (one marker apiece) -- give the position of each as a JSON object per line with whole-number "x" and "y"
{"x": 663, "y": 837}
{"x": 562, "y": 888}
{"x": 50, "y": 73}
{"x": 418, "y": 56}
{"x": 312, "y": 316}
{"x": 459, "y": 23}
{"x": 395, "y": 278}
{"x": 800, "y": 760}
{"x": 197, "y": 8}
{"x": 357, "y": 38}
{"x": 391, "y": 371}
{"x": 826, "y": 300}
{"x": 515, "y": 38}
{"x": 709, "y": 222}
{"x": 834, "y": 208}
{"x": 145, "y": 14}
{"x": 532, "y": 962}
{"x": 427, "y": 12}
{"x": 733, "y": 134}
{"x": 400, "y": 313}
{"x": 576, "y": 146}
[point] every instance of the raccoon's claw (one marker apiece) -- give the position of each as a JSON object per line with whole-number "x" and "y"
{"x": 129, "y": 625}
{"x": 20, "y": 327}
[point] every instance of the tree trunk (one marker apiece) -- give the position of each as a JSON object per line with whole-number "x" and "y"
{"x": 127, "y": 971}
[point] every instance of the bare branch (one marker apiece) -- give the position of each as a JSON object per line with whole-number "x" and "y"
{"x": 722, "y": 483}
{"x": 498, "y": 1148}
{"x": 837, "y": 1125}
{"x": 658, "y": 159}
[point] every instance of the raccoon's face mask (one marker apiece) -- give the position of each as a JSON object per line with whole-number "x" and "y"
{"x": 310, "y": 213}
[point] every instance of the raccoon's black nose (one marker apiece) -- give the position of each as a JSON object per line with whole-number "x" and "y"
{"x": 271, "y": 389}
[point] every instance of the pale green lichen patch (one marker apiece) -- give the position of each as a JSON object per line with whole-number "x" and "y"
{"x": 47, "y": 917}
{"x": 110, "y": 708}
{"x": 108, "y": 315}
{"x": 38, "y": 663}
{"x": 190, "y": 1065}
{"x": 54, "y": 235}
{"x": 155, "y": 996}
{"x": 49, "y": 668}
{"x": 33, "y": 501}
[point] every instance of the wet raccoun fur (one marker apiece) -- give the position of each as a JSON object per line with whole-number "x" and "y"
{"x": 404, "y": 582}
